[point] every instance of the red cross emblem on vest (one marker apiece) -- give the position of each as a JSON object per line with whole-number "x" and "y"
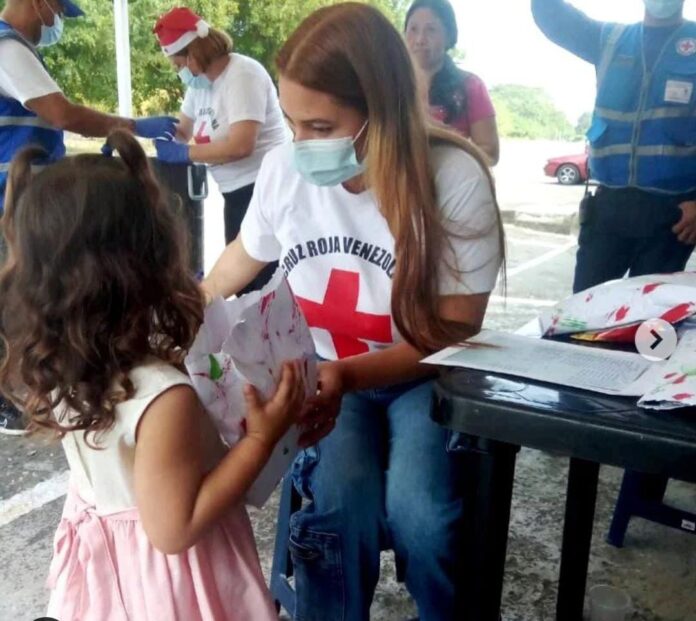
{"x": 338, "y": 314}
{"x": 686, "y": 47}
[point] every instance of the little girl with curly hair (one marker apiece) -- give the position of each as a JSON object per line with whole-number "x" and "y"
{"x": 97, "y": 310}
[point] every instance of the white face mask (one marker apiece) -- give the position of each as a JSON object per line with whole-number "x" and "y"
{"x": 50, "y": 35}
{"x": 663, "y": 9}
{"x": 328, "y": 161}
{"x": 200, "y": 82}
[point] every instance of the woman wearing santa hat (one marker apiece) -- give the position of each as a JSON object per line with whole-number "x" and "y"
{"x": 230, "y": 117}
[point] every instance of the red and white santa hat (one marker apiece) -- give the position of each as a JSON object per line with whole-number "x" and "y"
{"x": 177, "y": 28}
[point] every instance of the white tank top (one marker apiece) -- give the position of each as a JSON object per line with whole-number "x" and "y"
{"x": 104, "y": 475}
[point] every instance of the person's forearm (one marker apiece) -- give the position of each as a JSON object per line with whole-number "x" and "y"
{"x": 183, "y": 136}
{"x": 225, "y": 486}
{"x": 232, "y": 272}
{"x": 492, "y": 150}
{"x": 88, "y": 122}
{"x": 484, "y": 134}
{"x": 569, "y": 27}
{"x": 393, "y": 365}
{"x": 222, "y": 152}
{"x": 222, "y": 488}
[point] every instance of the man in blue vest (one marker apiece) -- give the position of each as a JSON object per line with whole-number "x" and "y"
{"x": 642, "y": 218}
{"x": 33, "y": 110}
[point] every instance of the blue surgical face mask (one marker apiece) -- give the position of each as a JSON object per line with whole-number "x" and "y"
{"x": 194, "y": 81}
{"x": 663, "y": 9}
{"x": 50, "y": 35}
{"x": 328, "y": 161}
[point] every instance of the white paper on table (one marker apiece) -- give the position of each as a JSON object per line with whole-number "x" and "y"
{"x": 600, "y": 370}
{"x": 531, "y": 329}
{"x": 245, "y": 341}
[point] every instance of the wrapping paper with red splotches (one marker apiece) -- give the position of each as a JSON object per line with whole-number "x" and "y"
{"x": 613, "y": 311}
{"x": 245, "y": 341}
{"x": 674, "y": 381}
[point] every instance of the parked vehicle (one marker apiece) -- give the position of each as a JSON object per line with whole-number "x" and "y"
{"x": 568, "y": 169}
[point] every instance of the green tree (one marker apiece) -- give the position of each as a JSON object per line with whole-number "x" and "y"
{"x": 84, "y": 63}
{"x": 529, "y": 112}
{"x": 583, "y": 124}
{"x": 260, "y": 28}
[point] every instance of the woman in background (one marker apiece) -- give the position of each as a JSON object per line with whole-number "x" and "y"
{"x": 456, "y": 98}
{"x": 230, "y": 111}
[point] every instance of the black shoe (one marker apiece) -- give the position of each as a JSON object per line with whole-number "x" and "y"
{"x": 11, "y": 419}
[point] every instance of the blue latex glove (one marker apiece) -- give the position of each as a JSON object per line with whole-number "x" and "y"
{"x": 172, "y": 152}
{"x": 107, "y": 150}
{"x": 156, "y": 127}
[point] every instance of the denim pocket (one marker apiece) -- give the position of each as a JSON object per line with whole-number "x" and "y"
{"x": 302, "y": 469}
{"x": 319, "y": 588}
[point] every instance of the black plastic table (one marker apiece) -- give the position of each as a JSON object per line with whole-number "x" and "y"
{"x": 496, "y": 415}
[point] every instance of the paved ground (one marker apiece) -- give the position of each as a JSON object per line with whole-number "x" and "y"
{"x": 657, "y": 568}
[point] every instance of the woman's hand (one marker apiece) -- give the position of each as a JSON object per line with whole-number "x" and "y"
{"x": 268, "y": 421}
{"x": 321, "y": 410}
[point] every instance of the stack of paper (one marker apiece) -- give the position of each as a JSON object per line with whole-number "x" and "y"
{"x": 601, "y": 370}
{"x": 660, "y": 385}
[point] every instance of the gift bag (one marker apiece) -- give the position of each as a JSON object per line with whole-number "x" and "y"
{"x": 245, "y": 341}
{"x": 674, "y": 382}
{"x": 613, "y": 311}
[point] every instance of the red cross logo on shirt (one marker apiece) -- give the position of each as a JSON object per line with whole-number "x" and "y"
{"x": 686, "y": 47}
{"x": 201, "y": 137}
{"x": 339, "y": 315}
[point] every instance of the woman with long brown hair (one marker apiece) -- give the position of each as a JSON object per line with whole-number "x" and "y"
{"x": 390, "y": 237}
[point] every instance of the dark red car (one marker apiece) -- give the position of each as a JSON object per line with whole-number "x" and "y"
{"x": 568, "y": 169}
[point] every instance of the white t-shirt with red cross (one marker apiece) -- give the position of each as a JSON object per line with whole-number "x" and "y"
{"x": 242, "y": 92}
{"x": 338, "y": 253}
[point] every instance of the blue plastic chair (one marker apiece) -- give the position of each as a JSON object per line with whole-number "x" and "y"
{"x": 281, "y": 572}
{"x": 642, "y": 496}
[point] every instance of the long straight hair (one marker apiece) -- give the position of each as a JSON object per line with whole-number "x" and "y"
{"x": 351, "y": 52}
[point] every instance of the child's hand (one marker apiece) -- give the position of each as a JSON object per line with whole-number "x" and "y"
{"x": 268, "y": 422}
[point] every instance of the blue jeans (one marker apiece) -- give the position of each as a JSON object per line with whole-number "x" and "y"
{"x": 382, "y": 479}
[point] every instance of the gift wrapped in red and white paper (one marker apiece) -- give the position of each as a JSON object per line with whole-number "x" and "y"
{"x": 613, "y": 311}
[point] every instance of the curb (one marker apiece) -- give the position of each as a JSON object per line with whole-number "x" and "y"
{"x": 563, "y": 224}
